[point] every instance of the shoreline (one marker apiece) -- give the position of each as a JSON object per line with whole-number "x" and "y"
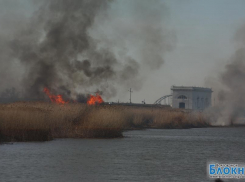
{"x": 115, "y": 137}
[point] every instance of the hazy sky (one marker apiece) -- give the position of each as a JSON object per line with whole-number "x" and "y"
{"x": 202, "y": 30}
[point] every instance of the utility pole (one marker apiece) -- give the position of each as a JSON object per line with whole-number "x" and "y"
{"x": 130, "y": 91}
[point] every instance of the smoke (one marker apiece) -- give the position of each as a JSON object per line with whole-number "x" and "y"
{"x": 78, "y": 47}
{"x": 230, "y": 104}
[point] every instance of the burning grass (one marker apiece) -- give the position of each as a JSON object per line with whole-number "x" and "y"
{"x": 40, "y": 121}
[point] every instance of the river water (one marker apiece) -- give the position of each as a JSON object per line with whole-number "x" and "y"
{"x": 144, "y": 155}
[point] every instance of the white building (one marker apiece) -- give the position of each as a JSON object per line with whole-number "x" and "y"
{"x": 196, "y": 98}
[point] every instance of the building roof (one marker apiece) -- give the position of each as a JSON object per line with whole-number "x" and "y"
{"x": 191, "y": 88}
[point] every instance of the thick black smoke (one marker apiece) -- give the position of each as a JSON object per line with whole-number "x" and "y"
{"x": 55, "y": 49}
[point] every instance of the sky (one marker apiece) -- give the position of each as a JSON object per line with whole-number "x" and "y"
{"x": 202, "y": 33}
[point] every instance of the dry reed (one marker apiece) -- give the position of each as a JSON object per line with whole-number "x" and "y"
{"x": 40, "y": 121}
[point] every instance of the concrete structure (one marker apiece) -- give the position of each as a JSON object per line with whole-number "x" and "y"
{"x": 196, "y": 98}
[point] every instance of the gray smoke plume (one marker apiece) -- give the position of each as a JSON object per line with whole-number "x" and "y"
{"x": 230, "y": 106}
{"x": 59, "y": 47}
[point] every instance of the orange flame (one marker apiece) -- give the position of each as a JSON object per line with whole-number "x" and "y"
{"x": 54, "y": 98}
{"x": 94, "y": 99}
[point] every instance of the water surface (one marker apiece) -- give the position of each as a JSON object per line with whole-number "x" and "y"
{"x": 145, "y": 155}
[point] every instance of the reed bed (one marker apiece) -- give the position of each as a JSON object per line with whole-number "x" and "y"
{"x": 42, "y": 121}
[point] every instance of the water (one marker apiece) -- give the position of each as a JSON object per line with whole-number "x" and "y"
{"x": 148, "y": 155}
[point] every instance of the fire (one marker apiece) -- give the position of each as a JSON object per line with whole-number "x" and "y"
{"x": 94, "y": 99}
{"x": 54, "y": 98}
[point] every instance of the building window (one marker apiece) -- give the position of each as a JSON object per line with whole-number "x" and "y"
{"x": 182, "y": 105}
{"x": 206, "y": 100}
{"x": 182, "y": 97}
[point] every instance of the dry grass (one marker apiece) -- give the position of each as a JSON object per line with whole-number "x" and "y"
{"x": 40, "y": 121}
